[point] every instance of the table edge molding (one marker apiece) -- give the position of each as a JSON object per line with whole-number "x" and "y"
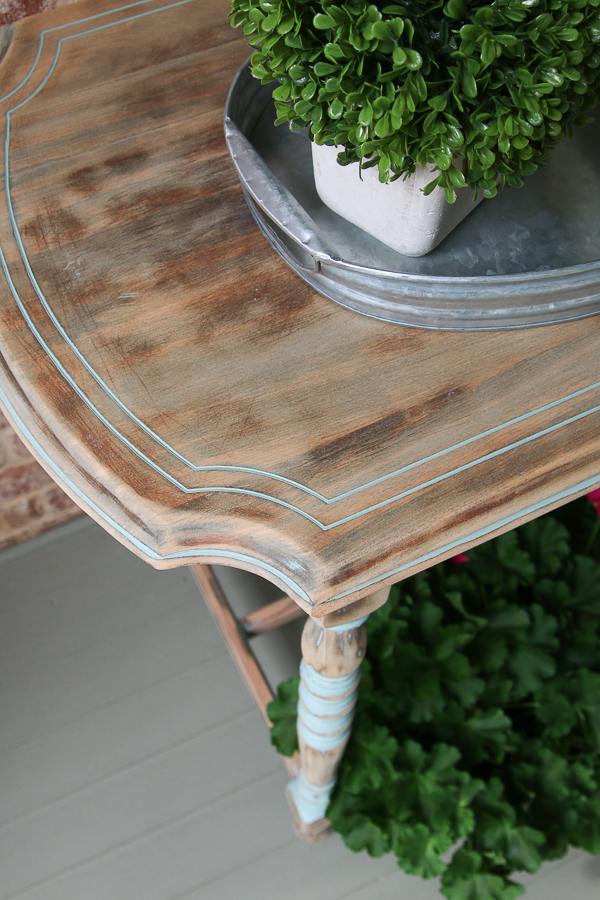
{"x": 248, "y": 470}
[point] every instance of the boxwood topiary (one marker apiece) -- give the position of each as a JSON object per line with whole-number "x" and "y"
{"x": 478, "y": 718}
{"x": 490, "y": 85}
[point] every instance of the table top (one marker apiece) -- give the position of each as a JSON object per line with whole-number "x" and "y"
{"x": 192, "y": 393}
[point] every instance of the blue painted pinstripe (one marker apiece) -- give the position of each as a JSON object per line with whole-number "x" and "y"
{"x": 157, "y": 438}
{"x": 204, "y": 553}
{"x": 101, "y": 15}
{"x": 260, "y": 495}
{"x": 473, "y": 537}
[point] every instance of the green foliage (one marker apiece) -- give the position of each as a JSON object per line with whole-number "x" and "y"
{"x": 478, "y": 717}
{"x": 282, "y": 713}
{"x": 490, "y": 85}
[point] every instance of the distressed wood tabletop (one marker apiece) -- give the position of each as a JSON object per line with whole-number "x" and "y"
{"x": 192, "y": 393}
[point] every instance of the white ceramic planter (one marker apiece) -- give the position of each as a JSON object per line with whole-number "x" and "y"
{"x": 398, "y": 214}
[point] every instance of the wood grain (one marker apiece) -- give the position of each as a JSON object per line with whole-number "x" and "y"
{"x": 30, "y": 501}
{"x": 329, "y": 676}
{"x": 273, "y": 615}
{"x": 235, "y": 637}
{"x": 190, "y": 391}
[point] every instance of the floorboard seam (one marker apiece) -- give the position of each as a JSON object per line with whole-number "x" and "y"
{"x": 90, "y": 785}
{"x": 89, "y": 645}
{"x": 156, "y": 829}
{"x": 361, "y": 887}
{"x": 41, "y": 541}
{"x": 240, "y": 867}
{"x": 104, "y": 706}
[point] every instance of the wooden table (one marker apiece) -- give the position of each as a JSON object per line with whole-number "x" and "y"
{"x": 196, "y": 397}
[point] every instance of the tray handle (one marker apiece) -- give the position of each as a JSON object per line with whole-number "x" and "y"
{"x": 277, "y": 203}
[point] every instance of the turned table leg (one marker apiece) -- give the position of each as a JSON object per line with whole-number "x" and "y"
{"x": 332, "y": 651}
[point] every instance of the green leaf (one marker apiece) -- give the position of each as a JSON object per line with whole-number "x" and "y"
{"x": 457, "y": 602}
{"x": 430, "y": 187}
{"x": 510, "y": 555}
{"x": 542, "y": 773}
{"x": 543, "y": 628}
{"x": 323, "y": 68}
{"x": 530, "y": 666}
{"x": 492, "y": 800}
{"x": 488, "y": 52}
{"x": 553, "y": 593}
{"x": 490, "y": 725}
{"x": 522, "y": 848}
{"x": 469, "y": 85}
{"x": 382, "y": 31}
{"x": 467, "y": 691}
{"x": 383, "y": 127}
{"x": 309, "y": 90}
{"x": 586, "y": 587}
{"x": 472, "y": 32}
{"x": 414, "y": 60}
{"x": 336, "y": 108}
{"x": 503, "y": 616}
{"x": 442, "y": 160}
{"x": 419, "y": 849}
{"x": 567, "y": 34}
{"x": 372, "y": 755}
{"x": 283, "y": 712}
{"x": 551, "y": 75}
{"x": 323, "y": 21}
{"x": 585, "y": 693}
{"x": 269, "y": 23}
{"x": 286, "y": 24}
{"x": 334, "y": 52}
{"x": 360, "y": 833}
{"x": 583, "y": 778}
{"x": 365, "y": 116}
{"x": 399, "y": 56}
{"x": 455, "y": 9}
{"x": 282, "y": 92}
{"x": 458, "y": 180}
{"x": 465, "y": 879}
{"x": 588, "y": 830}
{"x": 556, "y": 712}
{"x": 443, "y": 757}
{"x": 438, "y": 102}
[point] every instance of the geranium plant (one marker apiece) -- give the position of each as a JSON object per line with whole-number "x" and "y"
{"x": 477, "y": 731}
{"x": 480, "y": 90}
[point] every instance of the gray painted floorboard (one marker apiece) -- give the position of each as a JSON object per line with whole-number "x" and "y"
{"x": 133, "y": 764}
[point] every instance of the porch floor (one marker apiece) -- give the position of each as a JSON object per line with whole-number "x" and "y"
{"x": 133, "y": 763}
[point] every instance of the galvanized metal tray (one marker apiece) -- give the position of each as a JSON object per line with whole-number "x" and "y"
{"x": 530, "y": 256}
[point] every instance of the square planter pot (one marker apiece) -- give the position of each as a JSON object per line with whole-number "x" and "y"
{"x": 398, "y": 214}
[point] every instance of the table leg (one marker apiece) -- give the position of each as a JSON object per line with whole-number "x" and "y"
{"x": 329, "y": 676}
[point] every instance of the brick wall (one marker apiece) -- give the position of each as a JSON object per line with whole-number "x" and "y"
{"x": 30, "y": 502}
{"x": 11, "y": 10}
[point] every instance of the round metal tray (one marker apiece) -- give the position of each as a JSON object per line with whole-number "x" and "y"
{"x": 530, "y": 256}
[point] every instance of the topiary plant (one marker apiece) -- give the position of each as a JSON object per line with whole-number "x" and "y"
{"x": 478, "y": 718}
{"x": 490, "y": 85}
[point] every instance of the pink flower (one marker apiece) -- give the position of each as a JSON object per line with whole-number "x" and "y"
{"x": 462, "y": 557}
{"x": 594, "y": 498}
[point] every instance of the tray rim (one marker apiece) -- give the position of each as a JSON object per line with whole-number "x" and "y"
{"x": 443, "y": 288}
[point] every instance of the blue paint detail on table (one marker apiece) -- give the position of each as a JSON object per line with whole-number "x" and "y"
{"x": 216, "y": 489}
{"x": 243, "y": 469}
{"x": 206, "y": 552}
{"x": 266, "y": 567}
